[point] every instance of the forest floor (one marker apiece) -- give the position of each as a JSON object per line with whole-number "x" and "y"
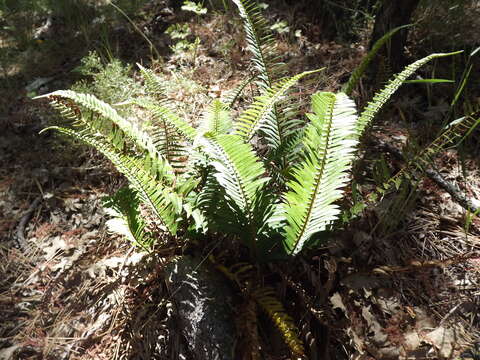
{"x": 392, "y": 286}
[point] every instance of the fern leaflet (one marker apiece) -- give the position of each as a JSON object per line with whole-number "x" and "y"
{"x": 217, "y": 119}
{"x": 359, "y": 71}
{"x": 152, "y": 191}
{"x": 260, "y": 113}
{"x": 237, "y": 170}
{"x": 382, "y": 96}
{"x": 260, "y": 41}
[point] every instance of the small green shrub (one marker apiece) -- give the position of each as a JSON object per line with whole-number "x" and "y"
{"x": 111, "y": 81}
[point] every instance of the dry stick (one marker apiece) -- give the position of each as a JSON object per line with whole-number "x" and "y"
{"x": 23, "y": 223}
{"x": 451, "y": 188}
{"x": 454, "y": 191}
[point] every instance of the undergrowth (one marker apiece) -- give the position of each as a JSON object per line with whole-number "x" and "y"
{"x": 269, "y": 179}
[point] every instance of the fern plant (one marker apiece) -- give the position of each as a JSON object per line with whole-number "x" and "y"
{"x": 176, "y": 168}
{"x": 266, "y": 178}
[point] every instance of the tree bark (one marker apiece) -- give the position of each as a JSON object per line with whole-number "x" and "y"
{"x": 394, "y": 13}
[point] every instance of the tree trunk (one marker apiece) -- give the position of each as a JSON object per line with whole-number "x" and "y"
{"x": 394, "y": 13}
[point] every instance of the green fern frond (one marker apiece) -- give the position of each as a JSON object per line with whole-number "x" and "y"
{"x": 163, "y": 112}
{"x": 360, "y": 70}
{"x": 156, "y": 193}
{"x": 213, "y": 204}
{"x": 66, "y": 108}
{"x": 238, "y": 170}
{"x": 260, "y": 41}
{"x": 126, "y": 203}
{"x": 234, "y": 94}
{"x": 216, "y": 119}
{"x": 108, "y": 120}
{"x": 425, "y": 158}
{"x": 170, "y": 144}
{"x": 384, "y": 95}
{"x": 267, "y": 300}
{"x": 260, "y": 113}
{"x": 105, "y": 120}
{"x": 417, "y": 166}
{"x": 329, "y": 145}
{"x": 290, "y": 150}
{"x": 153, "y": 84}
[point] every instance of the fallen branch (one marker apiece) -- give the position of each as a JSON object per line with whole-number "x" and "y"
{"x": 469, "y": 204}
{"x": 22, "y": 224}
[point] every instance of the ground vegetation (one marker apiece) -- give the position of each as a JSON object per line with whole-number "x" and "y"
{"x": 255, "y": 186}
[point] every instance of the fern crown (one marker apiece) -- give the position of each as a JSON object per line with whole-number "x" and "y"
{"x": 268, "y": 175}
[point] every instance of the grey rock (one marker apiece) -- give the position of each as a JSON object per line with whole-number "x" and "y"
{"x": 202, "y": 297}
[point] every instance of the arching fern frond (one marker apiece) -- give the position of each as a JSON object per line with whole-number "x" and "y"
{"x": 125, "y": 203}
{"x": 384, "y": 95}
{"x": 425, "y": 158}
{"x": 234, "y": 94}
{"x": 260, "y": 41}
{"x": 106, "y": 121}
{"x": 418, "y": 165}
{"x": 66, "y": 108}
{"x": 217, "y": 119}
{"x": 154, "y": 192}
{"x": 260, "y": 113}
{"x": 237, "y": 170}
{"x": 309, "y": 204}
{"x": 360, "y": 70}
{"x": 162, "y": 111}
{"x": 154, "y": 86}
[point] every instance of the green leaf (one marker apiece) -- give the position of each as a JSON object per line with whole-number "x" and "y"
{"x": 360, "y": 70}
{"x": 217, "y": 119}
{"x": 157, "y": 193}
{"x": 428, "y": 81}
{"x": 234, "y": 94}
{"x": 154, "y": 85}
{"x": 259, "y": 39}
{"x": 237, "y": 169}
{"x": 384, "y": 95}
{"x": 126, "y": 203}
{"x": 259, "y": 114}
{"x": 309, "y": 204}
{"x": 163, "y": 112}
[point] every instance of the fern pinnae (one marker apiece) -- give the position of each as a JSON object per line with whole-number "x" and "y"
{"x": 216, "y": 119}
{"x": 384, "y": 95}
{"x": 238, "y": 170}
{"x": 108, "y": 116}
{"x": 267, "y": 299}
{"x": 163, "y": 111}
{"x": 153, "y": 84}
{"x": 329, "y": 145}
{"x": 150, "y": 189}
{"x": 360, "y": 70}
{"x": 259, "y": 114}
{"x": 425, "y": 158}
{"x": 258, "y": 39}
{"x": 232, "y": 96}
{"x": 125, "y": 204}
